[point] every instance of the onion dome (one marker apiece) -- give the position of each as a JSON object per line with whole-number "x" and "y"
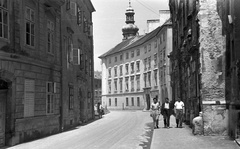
{"x": 129, "y": 30}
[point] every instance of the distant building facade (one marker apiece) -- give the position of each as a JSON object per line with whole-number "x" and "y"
{"x": 97, "y": 87}
{"x": 130, "y": 72}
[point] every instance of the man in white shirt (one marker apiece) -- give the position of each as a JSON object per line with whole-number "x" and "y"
{"x": 179, "y": 110}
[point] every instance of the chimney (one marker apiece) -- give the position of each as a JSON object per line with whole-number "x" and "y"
{"x": 164, "y": 16}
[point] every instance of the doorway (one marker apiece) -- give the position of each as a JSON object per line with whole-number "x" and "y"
{"x": 148, "y": 101}
{"x": 3, "y": 97}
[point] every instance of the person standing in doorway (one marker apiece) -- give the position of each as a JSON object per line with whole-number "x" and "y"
{"x": 179, "y": 111}
{"x": 166, "y": 111}
{"x": 155, "y": 112}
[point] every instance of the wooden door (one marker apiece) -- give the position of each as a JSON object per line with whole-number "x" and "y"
{"x": 3, "y": 97}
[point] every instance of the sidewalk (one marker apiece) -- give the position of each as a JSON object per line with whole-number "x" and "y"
{"x": 182, "y": 138}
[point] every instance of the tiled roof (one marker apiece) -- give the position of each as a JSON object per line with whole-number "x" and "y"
{"x": 136, "y": 41}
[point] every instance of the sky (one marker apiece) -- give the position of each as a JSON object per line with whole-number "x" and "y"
{"x": 109, "y": 18}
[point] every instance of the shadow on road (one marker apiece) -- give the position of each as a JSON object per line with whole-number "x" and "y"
{"x": 148, "y": 135}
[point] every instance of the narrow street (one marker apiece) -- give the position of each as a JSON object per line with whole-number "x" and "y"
{"x": 116, "y": 130}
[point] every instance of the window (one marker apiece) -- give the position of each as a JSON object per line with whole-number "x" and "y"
{"x": 30, "y": 26}
{"x": 149, "y": 62}
{"x": 138, "y": 66}
{"x": 132, "y": 67}
{"x": 155, "y": 60}
{"x": 145, "y": 64}
{"x": 29, "y": 96}
{"x": 120, "y": 84}
{"x": 138, "y": 101}
{"x": 121, "y": 57}
{"x": 76, "y": 56}
{"x": 109, "y": 102}
{"x": 132, "y": 53}
{"x": 68, "y": 4}
{"x": 145, "y": 79}
{"x": 155, "y": 44}
{"x": 127, "y": 56}
{"x": 132, "y": 83}
{"x": 126, "y": 66}
{"x": 90, "y": 67}
{"x": 149, "y": 79}
{"x": 127, "y": 102}
{"x": 145, "y": 49}
{"x": 138, "y": 52}
{"x": 126, "y": 84}
{"x": 149, "y": 47}
{"x": 50, "y": 36}
{"x": 86, "y": 64}
{"x": 115, "y": 58}
{"x": 109, "y": 60}
{"x": 138, "y": 82}
{"x": 81, "y": 59}
{"x": 73, "y": 8}
{"x": 164, "y": 36}
{"x": 71, "y": 99}
{"x": 115, "y": 101}
{"x": 115, "y": 71}
{"x": 4, "y": 24}
{"x": 121, "y": 70}
{"x": 132, "y": 101}
{"x": 70, "y": 51}
{"x": 51, "y": 89}
{"x": 79, "y": 16}
{"x": 109, "y": 86}
{"x": 115, "y": 85}
{"x": 109, "y": 72}
{"x": 155, "y": 78}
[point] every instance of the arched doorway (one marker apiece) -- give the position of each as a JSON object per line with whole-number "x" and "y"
{"x": 3, "y": 99}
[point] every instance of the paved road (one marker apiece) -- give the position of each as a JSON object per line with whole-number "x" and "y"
{"x": 116, "y": 130}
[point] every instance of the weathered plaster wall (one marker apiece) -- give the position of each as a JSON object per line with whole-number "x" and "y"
{"x": 212, "y": 49}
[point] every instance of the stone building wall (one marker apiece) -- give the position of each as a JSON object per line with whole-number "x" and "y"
{"x": 212, "y": 50}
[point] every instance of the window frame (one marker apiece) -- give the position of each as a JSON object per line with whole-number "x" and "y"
{"x": 31, "y": 22}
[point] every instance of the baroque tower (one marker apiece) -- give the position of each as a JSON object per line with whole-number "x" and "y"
{"x": 130, "y": 29}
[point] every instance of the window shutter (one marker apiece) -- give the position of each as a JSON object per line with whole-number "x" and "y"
{"x": 76, "y": 59}
{"x": 73, "y": 8}
{"x": 90, "y": 30}
{"x": 54, "y": 87}
{"x": 68, "y": 5}
{"x": 29, "y": 95}
{"x": 71, "y": 53}
{"x": 79, "y": 16}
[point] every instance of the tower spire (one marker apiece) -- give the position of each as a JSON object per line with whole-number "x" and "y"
{"x": 129, "y": 30}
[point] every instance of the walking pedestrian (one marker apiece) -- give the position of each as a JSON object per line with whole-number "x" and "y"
{"x": 179, "y": 111}
{"x": 99, "y": 109}
{"x": 166, "y": 111}
{"x": 155, "y": 112}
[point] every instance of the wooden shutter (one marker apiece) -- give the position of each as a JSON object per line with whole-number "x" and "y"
{"x": 29, "y": 95}
{"x": 76, "y": 57}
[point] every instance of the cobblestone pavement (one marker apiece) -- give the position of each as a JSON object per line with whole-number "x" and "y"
{"x": 182, "y": 138}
